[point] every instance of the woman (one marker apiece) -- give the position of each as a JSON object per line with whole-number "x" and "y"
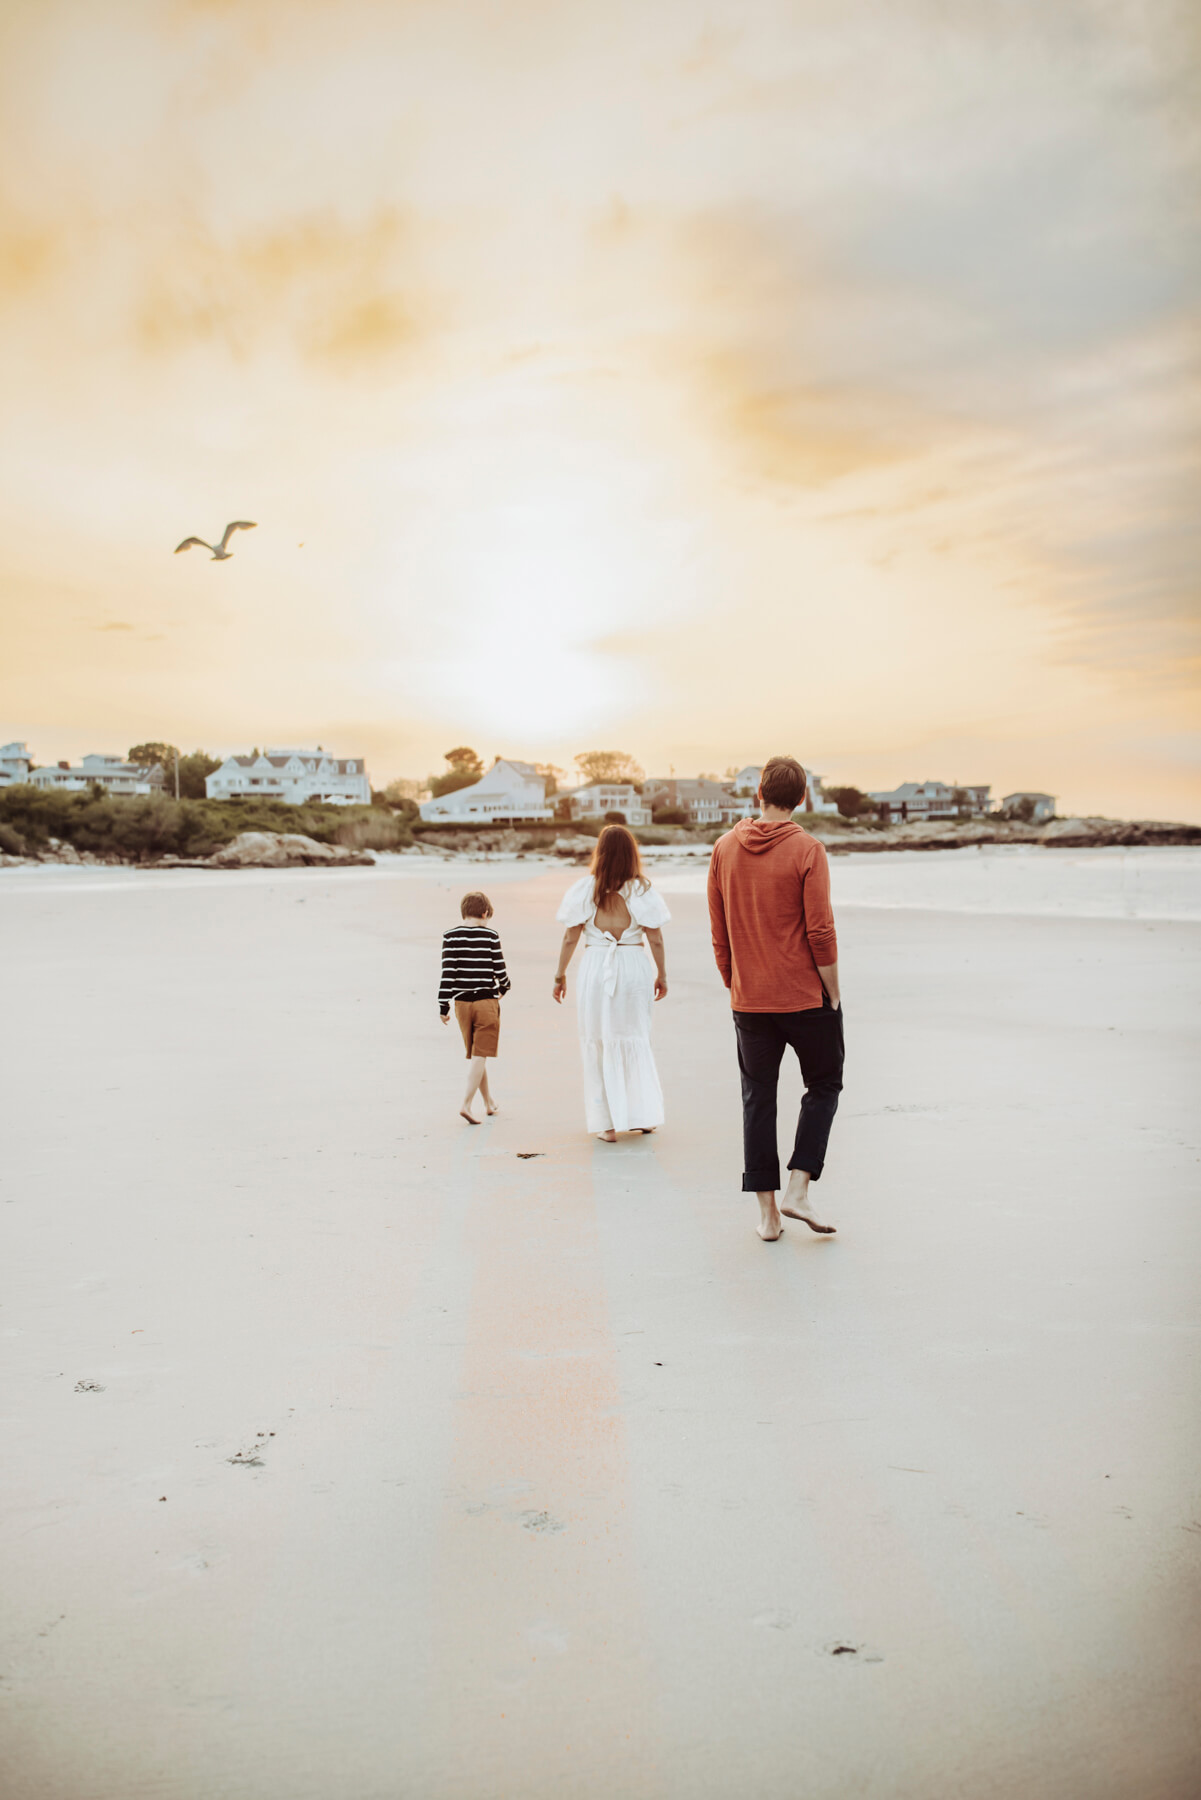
{"x": 616, "y": 911}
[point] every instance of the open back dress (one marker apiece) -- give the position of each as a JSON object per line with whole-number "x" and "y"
{"x": 614, "y": 1004}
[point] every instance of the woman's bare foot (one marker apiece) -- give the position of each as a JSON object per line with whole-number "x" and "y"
{"x": 795, "y": 1204}
{"x": 646, "y": 1130}
{"x": 470, "y": 1117}
{"x": 769, "y": 1226}
{"x": 492, "y": 1108}
{"x": 607, "y": 1137}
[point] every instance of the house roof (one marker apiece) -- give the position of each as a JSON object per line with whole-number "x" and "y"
{"x": 1027, "y": 794}
{"x": 279, "y": 759}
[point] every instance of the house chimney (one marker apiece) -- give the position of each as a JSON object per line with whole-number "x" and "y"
{"x": 64, "y": 765}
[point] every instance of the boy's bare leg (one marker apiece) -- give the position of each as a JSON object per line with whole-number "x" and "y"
{"x": 769, "y": 1226}
{"x": 475, "y": 1075}
{"x": 795, "y": 1204}
{"x": 486, "y": 1091}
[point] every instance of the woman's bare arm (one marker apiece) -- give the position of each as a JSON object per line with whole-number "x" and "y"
{"x": 571, "y": 938}
{"x": 654, "y": 937}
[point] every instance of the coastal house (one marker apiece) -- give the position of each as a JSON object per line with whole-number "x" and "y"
{"x": 747, "y": 782}
{"x": 14, "y": 764}
{"x": 601, "y": 797}
{"x": 110, "y": 772}
{"x": 511, "y": 793}
{"x": 294, "y": 776}
{"x": 930, "y": 800}
{"x": 704, "y": 802}
{"x": 1042, "y": 806}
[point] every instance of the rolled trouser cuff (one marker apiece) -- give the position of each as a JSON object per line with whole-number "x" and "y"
{"x": 813, "y": 1166}
{"x": 761, "y": 1181}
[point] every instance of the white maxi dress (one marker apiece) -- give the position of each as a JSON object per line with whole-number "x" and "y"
{"x": 614, "y": 1004}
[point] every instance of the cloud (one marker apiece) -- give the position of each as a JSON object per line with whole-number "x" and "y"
{"x": 342, "y": 294}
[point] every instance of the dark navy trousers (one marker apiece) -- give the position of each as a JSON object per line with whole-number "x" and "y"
{"x": 817, "y": 1037}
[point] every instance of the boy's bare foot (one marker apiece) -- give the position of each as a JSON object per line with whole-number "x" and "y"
{"x": 470, "y": 1117}
{"x": 795, "y": 1204}
{"x": 769, "y": 1226}
{"x": 607, "y": 1137}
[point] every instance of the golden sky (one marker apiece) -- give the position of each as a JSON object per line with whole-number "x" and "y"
{"x": 697, "y": 380}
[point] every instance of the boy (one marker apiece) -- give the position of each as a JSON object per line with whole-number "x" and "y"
{"x": 474, "y": 977}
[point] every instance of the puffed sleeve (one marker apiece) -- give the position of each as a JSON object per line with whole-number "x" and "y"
{"x": 648, "y": 909}
{"x": 577, "y": 907}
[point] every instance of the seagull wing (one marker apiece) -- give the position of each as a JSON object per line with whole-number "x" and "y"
{"x": 188, "y": 542}
{"x": 237, "y": 525}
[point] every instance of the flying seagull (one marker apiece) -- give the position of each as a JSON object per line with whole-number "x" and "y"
{"x": 220, "y": 553}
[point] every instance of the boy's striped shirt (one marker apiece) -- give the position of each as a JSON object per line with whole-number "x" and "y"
{"x": 473, "y": 966}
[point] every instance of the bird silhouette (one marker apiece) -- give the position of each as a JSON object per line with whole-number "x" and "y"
{"x": 220, "y": 553}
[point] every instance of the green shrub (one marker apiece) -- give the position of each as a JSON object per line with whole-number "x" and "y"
{"x": 139, "y": 828}
{"x": 670, "y": 817}
{"x": 11, "y": 842}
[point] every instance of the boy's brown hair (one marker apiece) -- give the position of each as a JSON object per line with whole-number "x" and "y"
{"x": 782, "y": 782}
{"x": 475, "y": 906}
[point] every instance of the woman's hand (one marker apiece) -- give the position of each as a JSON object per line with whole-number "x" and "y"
{"x": 559, "y": 991}
{"x": 660, "y": 987}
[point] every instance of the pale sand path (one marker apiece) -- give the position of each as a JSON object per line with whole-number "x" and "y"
{"x": 574, "y": 1482}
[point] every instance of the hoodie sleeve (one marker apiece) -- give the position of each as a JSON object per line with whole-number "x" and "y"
{"x": 818, "y": 913}
{"x": 717, "y": 922}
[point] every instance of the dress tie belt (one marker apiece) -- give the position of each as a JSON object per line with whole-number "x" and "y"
{"x": 609, "y": 972}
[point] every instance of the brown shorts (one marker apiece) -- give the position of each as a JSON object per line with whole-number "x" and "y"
{"x": 479, "y": 1021}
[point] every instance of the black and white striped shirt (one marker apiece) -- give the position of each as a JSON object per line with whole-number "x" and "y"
{"x": 473, "y": 966}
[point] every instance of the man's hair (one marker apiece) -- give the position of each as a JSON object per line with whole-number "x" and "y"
{"x": 475, "y": 905}
{"x": 782, "y": 782}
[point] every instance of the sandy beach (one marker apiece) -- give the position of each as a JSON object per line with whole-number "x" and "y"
{"x": 354, "y": 1453}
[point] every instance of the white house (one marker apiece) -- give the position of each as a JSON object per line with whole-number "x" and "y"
{"x": 929, "y": 800}
{"x": 747, "y": 782}
{"x": 1043, "y": 805}
{"x": 705, "y": 802}
{"x": 601, "y": 797}
{"x": 295, "y": 776}
{"x": 511, "y": 793}
{"x": 14, "y": 764}
{"x": 111, "y": 772}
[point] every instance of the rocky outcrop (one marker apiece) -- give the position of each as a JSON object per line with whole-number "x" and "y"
{"x": 283, "y": 850}
{"x": 1059, "y": 834}
{"x": 270, "y": 850}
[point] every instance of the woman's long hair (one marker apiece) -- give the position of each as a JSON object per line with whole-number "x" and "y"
{"x": 614, "y": 862}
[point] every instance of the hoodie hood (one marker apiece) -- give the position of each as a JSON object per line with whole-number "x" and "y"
{"x": 758, "y": 835}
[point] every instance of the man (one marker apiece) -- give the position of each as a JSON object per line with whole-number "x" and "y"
{"x": 774, "y": 943}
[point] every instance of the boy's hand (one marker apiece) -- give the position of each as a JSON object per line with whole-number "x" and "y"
{"x": 559, "y": 991}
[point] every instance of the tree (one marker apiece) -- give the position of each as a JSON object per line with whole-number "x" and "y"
{"x": 463, "y": 760}
{"x": 404, "y": 791}
{"x": 850, "y": 801}
{"x": 451, "y": 782}
{"x": 192, "y": 771}
{"x": 608, "y": 765}
{"x": 146, "y": 755}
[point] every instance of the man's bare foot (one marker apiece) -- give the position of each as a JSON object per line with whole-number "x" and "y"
{"x": 795, "y": 1204}
{"x": 607, "y": 1137}
{"x": 769, "y": 1226}
{"x": 470, "y": 1117}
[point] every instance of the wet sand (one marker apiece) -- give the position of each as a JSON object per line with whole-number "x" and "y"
{"x": 355, "y": 1452}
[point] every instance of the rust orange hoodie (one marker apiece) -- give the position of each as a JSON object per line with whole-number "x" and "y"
{"x": 769, "y": 908}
